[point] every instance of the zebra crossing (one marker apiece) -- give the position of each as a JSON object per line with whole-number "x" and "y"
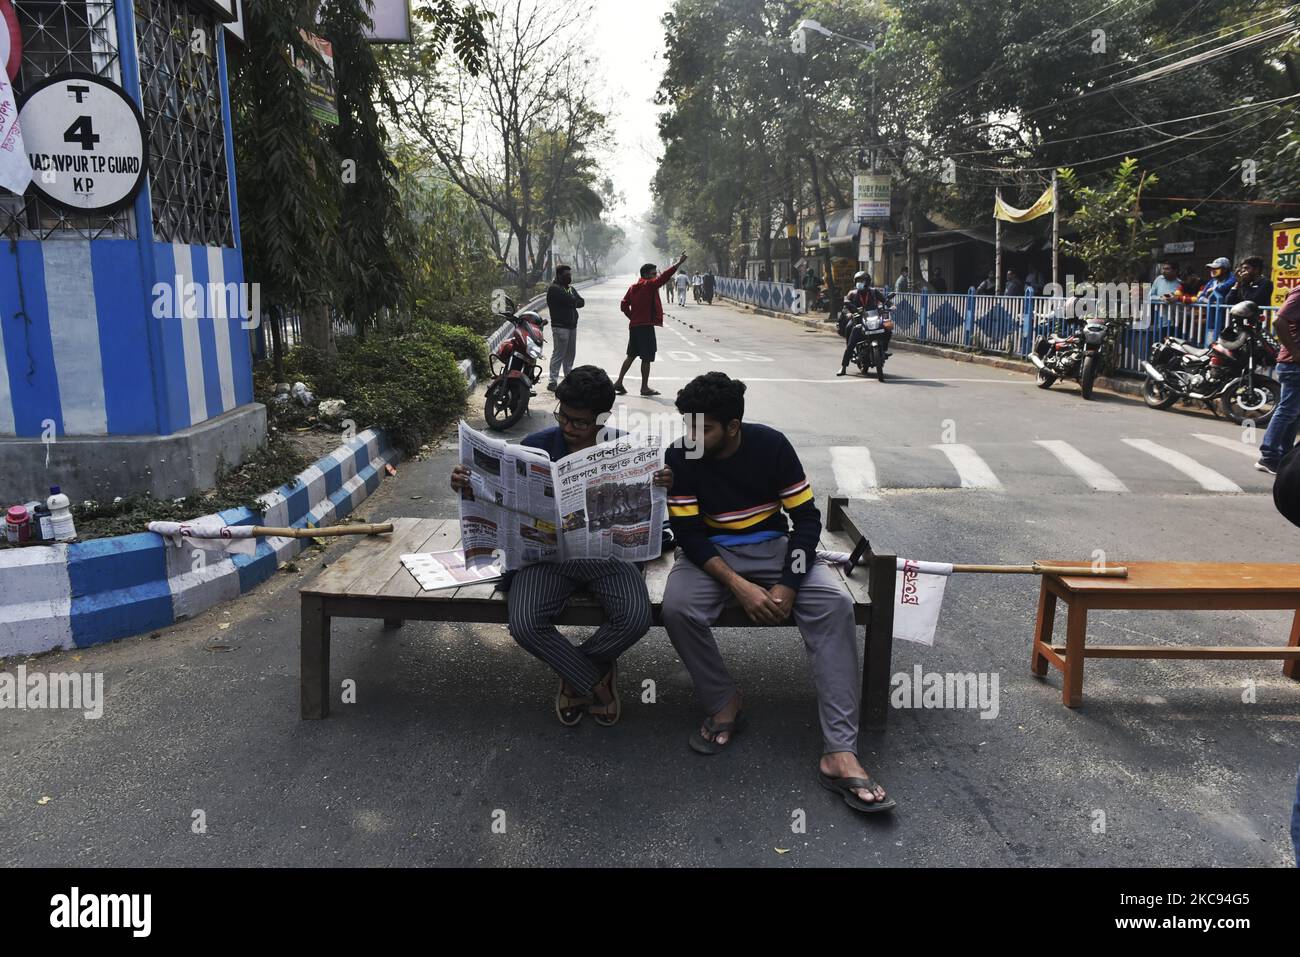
{"x": 1200, "y": 463}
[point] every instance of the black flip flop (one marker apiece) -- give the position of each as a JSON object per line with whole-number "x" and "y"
{"x": 845, "y": 787}
{"x": 650, "y": 392}
{"x": 620, "y": 389}
{"x": 703, "y": 745}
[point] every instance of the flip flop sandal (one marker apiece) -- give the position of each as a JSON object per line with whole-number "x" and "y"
{"x": 703, "y": 745}
{"x": 610, "y": 719}
{"x": 620, "y": 389}
{"x": 570, "y": 708}
{"x": 846, "y": 786}
{"x": 650, "y": 392}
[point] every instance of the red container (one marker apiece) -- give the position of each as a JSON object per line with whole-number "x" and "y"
{"x": 18, "y": 525}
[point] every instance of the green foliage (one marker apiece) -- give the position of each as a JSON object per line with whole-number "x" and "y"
{"x": 1114, "y": 238}
{"x": 408, "y": 385}
{"x": 473, "y": 311}
{"x": 460, "y": 342}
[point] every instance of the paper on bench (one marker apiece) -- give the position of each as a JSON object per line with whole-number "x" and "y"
{"x": 435, "y": 570}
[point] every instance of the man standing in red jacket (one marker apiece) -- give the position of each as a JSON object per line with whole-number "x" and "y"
{"x": 644, "y": 311}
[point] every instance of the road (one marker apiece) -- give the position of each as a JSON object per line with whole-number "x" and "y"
{"x": 1168, "y": 762}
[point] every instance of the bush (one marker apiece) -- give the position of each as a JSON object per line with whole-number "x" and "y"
{"x": 461, "y": 342}
{"x": 473, "y": 312}
{"x": 410, "y": 386}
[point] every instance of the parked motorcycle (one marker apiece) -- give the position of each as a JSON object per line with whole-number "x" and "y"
{"x": 519, "y": 356}
{"x": 1230, "y": 378}
{"x": 1076, "y": 355}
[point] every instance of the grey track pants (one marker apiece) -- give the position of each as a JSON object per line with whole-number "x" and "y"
{"x": 823, "y": 612}
{"x": 539, "y": 592}
{"x": 564, "y": 346}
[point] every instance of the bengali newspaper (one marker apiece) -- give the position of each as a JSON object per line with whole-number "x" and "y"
{"x": 522, "y": 508}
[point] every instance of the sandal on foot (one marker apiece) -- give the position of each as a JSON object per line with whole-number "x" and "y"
{"x": 607, "y": 715}
{"x": 570, "y": 708}
{"x": 618, "y": 387}
{"x": 649, "y": 391}
{"x": 846, "y": 787}
{"x": 702, "y": 745}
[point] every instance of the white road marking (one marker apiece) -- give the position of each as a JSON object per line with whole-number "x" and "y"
{"x": 845, "y": 380}
{"x": 1094, "y": 474}
{"x": 1224, "y": 442}
{"x": 1208, "y": 479}
{"x": 678, "y": 334}
{"x": 855, "y": 473}
{"x": 973, "y": 471}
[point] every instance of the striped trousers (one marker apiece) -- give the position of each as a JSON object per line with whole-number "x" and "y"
{"x": 539, "y": 592}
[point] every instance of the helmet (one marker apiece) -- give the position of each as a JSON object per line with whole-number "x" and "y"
{"x": 530, "y": 316}
{"x": 860, "y": 277}
{"x": 1247, "y": 310}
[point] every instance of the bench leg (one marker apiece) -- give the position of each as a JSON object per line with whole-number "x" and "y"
{"x": 1043, "y": 629}
{"x": 1075, "y": 627}
{"x": 1292, "y": 668}
{"x": 315, "y": 658}
{"x": 392, "y": 624}
{"x": 878, "y": 650}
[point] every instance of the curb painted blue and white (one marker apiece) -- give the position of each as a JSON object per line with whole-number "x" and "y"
{"x": 85, "y": 593}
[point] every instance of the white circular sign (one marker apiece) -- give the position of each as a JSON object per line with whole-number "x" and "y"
{"x": 85, "y": 139}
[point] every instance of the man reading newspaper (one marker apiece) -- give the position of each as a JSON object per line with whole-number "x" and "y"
{"x": 539, "y": 591}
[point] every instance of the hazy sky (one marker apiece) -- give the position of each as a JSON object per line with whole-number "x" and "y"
{"x": 627, "y": 39}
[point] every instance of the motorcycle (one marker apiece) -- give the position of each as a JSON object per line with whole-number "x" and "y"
{"x": 1229, "y": 378}
{"x": 869, "y": 352}
{"x": 1076, "y": 355}
{"x": 697, "y": 290}
{"x": 519, "y": 356}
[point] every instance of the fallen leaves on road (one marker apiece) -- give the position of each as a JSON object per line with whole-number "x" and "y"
{"x": 43, "y": 801}
{"x": 781, "y": 850}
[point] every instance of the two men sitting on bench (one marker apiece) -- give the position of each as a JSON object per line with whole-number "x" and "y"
{"x": 728, "y": 483}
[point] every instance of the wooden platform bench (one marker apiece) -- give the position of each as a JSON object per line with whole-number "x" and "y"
{"x": 1162, "y": 586}
{"x": 369, "y": 581}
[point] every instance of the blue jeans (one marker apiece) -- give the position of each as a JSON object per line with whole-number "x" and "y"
{"x": 1280, "y": 435}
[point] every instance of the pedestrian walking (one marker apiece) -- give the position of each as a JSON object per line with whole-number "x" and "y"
{"x": 1279, "y": 437}
{"x": 563, "y": 303}
{"x": 709, "y": 282}
{"x": 683, "y": 283}
{"x": 644, "y": 312}
{"x": 903, "y": 283}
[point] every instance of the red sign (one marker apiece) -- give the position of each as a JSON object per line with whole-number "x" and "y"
{"x": 11, "y": 40}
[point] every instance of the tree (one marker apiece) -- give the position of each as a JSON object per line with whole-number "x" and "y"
{"x": 516, "y": 138}
{"x": 306, "y": 242}
{"x": 1114, "y": 238}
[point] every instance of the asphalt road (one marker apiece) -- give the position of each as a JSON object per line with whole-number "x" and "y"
{"x": 1167, "y": 763}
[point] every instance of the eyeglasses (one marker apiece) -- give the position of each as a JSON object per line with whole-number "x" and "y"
{"x": 580, "y": 424}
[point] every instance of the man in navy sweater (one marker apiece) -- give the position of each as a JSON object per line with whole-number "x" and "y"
{"x": 730, "y": 485}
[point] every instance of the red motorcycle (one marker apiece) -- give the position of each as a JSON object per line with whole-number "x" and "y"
{"x": 520, "y": 357}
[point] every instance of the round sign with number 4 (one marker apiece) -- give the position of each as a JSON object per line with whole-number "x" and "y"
{"x": 86, "y": 142}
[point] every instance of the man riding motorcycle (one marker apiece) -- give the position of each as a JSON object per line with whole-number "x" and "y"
{"x": 857, "y": 303}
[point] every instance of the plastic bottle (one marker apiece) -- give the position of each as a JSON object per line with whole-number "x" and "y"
{"x": 60, "y": 516}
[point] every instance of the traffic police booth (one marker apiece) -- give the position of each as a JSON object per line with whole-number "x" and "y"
{"x": 124, "y": 318}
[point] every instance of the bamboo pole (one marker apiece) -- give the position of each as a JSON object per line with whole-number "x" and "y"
{"x": 1037, "y": 568}
{"x": 331, "y": 531}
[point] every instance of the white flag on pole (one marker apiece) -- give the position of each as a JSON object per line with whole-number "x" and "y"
{"x": 918, "y": 597}
{"x": 15, "y": 168}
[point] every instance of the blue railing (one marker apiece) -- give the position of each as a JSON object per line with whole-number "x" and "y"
{"x": 1011, "y": 324}
{"x": 777, "y": 296}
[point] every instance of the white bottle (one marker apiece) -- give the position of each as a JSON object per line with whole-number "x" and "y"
{"x": 60, "y": 516}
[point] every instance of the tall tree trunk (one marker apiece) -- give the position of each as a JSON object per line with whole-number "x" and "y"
{"x": 832, "y": 293}
{"x": 317, "y": 330}
{"x": 277, "y": 342}
{"x": 765, "y": 237}
{"x": 746, "y": 230}
{"x": 792, "y": 220}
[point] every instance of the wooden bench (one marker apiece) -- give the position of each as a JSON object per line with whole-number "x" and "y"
{"x": 1193, "y": 586}
{"x": 369, "y": 581}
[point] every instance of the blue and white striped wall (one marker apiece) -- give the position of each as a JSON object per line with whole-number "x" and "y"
{"x": 80, "y": 345}
{"x": 71, "y": 596}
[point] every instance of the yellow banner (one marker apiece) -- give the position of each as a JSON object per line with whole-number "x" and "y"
{"x": 1286, "y": 259}
{"x": 1042, "y": 206}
